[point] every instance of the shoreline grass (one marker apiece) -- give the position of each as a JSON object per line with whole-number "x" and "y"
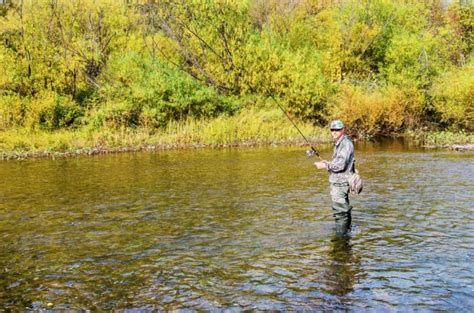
{"x": 248, "y": 128}
{"x": 443, "y": 139}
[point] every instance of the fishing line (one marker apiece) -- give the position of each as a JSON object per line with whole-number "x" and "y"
{"x": 311, "y": 152}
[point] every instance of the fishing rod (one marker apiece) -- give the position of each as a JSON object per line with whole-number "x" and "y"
{"x": 311, "y": 152}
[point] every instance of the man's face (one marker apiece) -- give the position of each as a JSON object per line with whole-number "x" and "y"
{"x": 337, "y": 133}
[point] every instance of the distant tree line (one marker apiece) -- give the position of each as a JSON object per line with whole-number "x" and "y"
{"x": 381, "y": 65}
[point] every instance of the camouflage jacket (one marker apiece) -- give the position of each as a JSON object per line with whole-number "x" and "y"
{"x": 342, "y": 158}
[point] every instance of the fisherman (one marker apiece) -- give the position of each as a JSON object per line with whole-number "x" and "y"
{"x": 341, "y": 164}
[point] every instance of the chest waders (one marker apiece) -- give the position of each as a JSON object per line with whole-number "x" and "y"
{"x": 341, "y": 207}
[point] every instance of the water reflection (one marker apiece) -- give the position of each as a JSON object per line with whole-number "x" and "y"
{"x": 344, "y": 267}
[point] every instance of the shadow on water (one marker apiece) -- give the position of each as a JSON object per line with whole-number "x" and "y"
{"x": 236, "y": 229}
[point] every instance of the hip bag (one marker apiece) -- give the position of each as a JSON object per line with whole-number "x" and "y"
{"x": 355, "y": 181}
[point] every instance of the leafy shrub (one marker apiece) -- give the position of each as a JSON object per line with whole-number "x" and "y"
{"x": 154, "y": 94}
{"x": 443, "y": 138}
{"x": 50, "y": 111}
{"x": 295, "y": 77}
{"x": 370, "y": 113}
{"x": 118, "y": 114}
{"x": 412, "y": 61}
{"x": 453, "y": 98}
{"x": 12, "y": 111}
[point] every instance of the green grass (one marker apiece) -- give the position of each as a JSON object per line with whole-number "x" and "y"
{"x": 247, "y": 128}
{"x": 446, "y": 138}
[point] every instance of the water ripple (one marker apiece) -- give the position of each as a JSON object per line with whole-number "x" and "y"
{"x": 236, "y": 230}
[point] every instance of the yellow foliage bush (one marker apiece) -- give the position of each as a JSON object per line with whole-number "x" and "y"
{"x": 453, "y": 98}
{"x": 11, "y": 111}
{"x": 48, "y": 110}
{"x": 371, "y": 113}
{"x": 40, "y": 110}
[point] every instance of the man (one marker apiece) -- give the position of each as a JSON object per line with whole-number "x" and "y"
{"x": 341, "y": 164}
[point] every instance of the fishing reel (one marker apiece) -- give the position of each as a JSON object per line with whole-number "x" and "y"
{"x": 312, "y": 152}
{"x": 309, "y": 153}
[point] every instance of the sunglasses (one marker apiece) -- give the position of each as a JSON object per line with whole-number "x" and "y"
{"x": 336, "y": 130}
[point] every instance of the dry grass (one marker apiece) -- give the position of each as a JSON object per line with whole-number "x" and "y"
{"x": 246, "y": 128}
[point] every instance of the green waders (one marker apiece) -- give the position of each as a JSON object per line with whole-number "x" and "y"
{"x": 341, "y": 208}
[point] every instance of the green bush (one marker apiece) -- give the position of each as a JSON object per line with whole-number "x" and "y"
{"x": 453, "y": 98}
{"x": 153, "y": 94}
{"x": 295, "y": 78}
{"x": 50, "y": 111}
{"x": 12, "y": 111}
{"x": 444, "y": 138}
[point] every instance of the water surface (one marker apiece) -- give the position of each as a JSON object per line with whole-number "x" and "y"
{"x": 238, "y": 229}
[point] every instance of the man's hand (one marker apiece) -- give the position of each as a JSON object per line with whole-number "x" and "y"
{"x": 321, "y": 165}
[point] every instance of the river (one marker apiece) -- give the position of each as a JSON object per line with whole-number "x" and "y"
{"x": 238, "y": 229}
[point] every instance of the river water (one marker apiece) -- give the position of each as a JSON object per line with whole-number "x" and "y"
{"x": 238, "y": 229}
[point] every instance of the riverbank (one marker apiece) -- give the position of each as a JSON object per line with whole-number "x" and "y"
{"x": 245, "y": 129}
{"x": 459, "y": 141}
{"x": 248, "y": 128}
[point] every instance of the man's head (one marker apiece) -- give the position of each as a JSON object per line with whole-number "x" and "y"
{"x": 337, "y": 129}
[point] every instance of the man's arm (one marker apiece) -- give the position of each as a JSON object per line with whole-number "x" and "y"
{"x": 338, "y": 164}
